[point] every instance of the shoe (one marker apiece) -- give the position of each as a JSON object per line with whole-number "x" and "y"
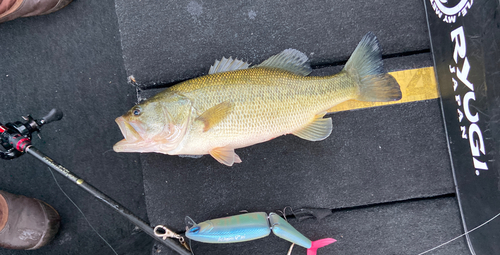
{"x": 26, "y": 223}
{"x": 12, "y": 9}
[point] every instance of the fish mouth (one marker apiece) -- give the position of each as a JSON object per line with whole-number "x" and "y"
{"x": 137, "y": 139}
{"x": 132, "y": 137}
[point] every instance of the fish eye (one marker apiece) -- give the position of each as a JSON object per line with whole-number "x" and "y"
{"x": 195, "y": 230}
{"x": 137, "y": 111}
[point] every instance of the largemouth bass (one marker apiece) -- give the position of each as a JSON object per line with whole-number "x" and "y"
{"x": 235, "y": 105}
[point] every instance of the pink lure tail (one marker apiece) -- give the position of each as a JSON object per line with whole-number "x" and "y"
{"x": 315, "y": 245}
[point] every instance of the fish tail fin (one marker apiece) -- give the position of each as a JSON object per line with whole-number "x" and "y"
{"x": 315, "y": 245}
{"x": 366, "y": 65}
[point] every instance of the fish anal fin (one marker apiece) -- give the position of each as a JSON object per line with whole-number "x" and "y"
{"x": 225, "y": 155}
{"x": 290, "y": 60}
{"x": 319, "y": 129}
{"x": 214, "y": 115}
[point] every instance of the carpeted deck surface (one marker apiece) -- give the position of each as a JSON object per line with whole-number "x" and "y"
{"x": 71, "y": 60}
{"x": 384, "y": 172}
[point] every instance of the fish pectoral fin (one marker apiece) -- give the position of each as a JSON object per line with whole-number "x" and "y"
{"x": 225, "y": 155}
{"x": 228, "y": 64}
{"x": 290, "y": 60}
{"x": 214, "y": 115}
{"x": 317, "y": 130}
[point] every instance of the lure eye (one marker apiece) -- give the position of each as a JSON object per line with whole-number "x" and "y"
{"x": 137, "y": 111}
{"x": 195, "y": 230}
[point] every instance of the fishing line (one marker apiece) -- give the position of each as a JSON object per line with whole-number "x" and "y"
{"x": 467, "y": 232}
{"x": 191, "y": 247}
{"x": 85, "y": 217}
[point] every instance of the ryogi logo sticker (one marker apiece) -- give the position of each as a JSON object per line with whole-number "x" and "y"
{"x": 449, "y": 10}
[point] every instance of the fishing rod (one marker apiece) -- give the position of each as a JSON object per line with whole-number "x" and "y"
{"x": 15, "y": 141}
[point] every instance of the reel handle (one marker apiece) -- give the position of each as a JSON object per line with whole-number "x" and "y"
{"x": 53, "y": 115}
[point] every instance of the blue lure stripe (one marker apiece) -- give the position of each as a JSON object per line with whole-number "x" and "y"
{"x": 284, "y": 230}
{"x": 233, "y": 229}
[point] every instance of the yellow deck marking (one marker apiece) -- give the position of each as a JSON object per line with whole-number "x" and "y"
{"x": 416, "y": 84}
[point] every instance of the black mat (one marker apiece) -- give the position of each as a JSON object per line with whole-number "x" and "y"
{"x": 472, "y": 125}
{"x": 376, "y": 155}
{"x": 373, "y": 156}
{"x": 71, "y": 60}
{"x": 167, "y": 42}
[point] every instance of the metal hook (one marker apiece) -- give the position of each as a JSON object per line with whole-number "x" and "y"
{"x": 164, "y": 233}
{"x": 284, "y": 212}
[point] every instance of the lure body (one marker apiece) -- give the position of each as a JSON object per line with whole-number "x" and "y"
{"x": 284, "y": 230}
{"x": 251, "y": 226}
{"x": 239, "y": 228}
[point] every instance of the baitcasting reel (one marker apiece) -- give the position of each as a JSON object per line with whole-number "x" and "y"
{"x": 16, "y": 136}
{"x": 15, "y": 140}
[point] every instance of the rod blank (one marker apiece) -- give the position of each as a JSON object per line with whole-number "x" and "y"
{"x": 104, "y": 198}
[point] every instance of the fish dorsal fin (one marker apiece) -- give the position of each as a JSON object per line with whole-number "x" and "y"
{"x": 317, "y": 130}
{"x": 291, "y": 60}
{"x": 228, "y": 64}
{"x": 215, "y": 114}
{"x": 225, "y": 155}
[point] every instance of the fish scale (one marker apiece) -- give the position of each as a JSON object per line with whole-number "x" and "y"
{"x": 267, "y": 101}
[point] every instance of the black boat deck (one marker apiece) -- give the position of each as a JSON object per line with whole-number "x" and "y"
{"x": 384, "y": 172}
